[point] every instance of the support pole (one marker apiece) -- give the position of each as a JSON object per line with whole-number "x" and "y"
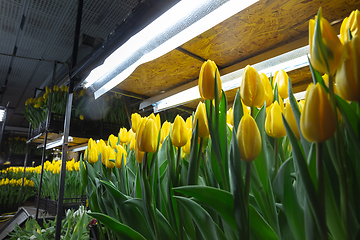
{"x": 45, "y": 141}
{"x": 59, "y": 212}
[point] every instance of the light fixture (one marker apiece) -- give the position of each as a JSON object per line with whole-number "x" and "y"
{"x": 184, "y": 21}
{"x": 79, "y": 148}
{"x": 56, "y": 142}
{"x": 2, "y": 115}
{"x": 289, "y": 61}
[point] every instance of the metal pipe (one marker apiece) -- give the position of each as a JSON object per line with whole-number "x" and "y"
{"x": 45, "y": 141}
{"x": 59, "y": 212}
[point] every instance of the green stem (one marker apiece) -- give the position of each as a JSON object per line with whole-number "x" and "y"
{"x": 276, "y": 155}
{"x": 246, "y": 195}
{"x": 198, "y": 161}
{"x": 321, "y": 189}
{"x": 178, "y": 160}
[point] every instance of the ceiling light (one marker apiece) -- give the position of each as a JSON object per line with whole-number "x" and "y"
{"x": 288, "y": 62}
{"x": 56, "y": 143}
{"x": 2, "y": 115}
{"x": 79, "y": 148}
{"x": 186, "y": 20}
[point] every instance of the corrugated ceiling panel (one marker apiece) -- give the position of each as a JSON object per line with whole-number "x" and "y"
{"x": 8, "y": 35}
{"x": 10, "y": 9}
{"x": 21, "y": 71}
{"x": 49, "y": 8}
{"x": 4, "y": 64}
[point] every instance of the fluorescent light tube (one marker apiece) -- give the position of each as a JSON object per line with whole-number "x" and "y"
{"x": 56, "y": 143}
{"x": 186, "y": 20}
{"x": 288, "y": 61}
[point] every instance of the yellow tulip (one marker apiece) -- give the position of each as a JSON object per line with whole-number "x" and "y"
{"x": 123, "y": 135}
{"x": 353, "y": 23}
{"x": 121, "y": 153}
{"x": 207, "y": 80}
{"x": 200, "y": 114}
{"x": 47, "y": 89}
{"x": 165, "y": 130}
{"x": 274, "y": 126}
{"x": 252, "y": 90}
{"x": 281, "y": 80}
{"x": 317, "y": 121}
{"x": 28, "y": 101}
{"x": 46, "y": 96}
{"x": 189, "y": 122}
{"x": 41, "y": 100}
{"x": 112, "y": 141}
{"x": 37, "y": 105}
{"x": 325, "y": 77}
{"x": 132, "y": 142}
{"x": 108, "y": 154}
{"x": 301, "y": 104}
{"x": 269, "y": 95}
{"x": 156, "y": 120}
{"x": 328, "y": 62}
{"x": 135, "y": 120}
{"x": 179, "y": 136}
{"x": 249, "y": 138}
{"x": 348, "y": 74}
{"x": 230, "y": 117}
{"x": 130, "y": 135}
{"x": 186, "y": 147}
{"x": 148, "y": 135}
{"x": 290, "y": 118}
{"x": 139, "y": 155}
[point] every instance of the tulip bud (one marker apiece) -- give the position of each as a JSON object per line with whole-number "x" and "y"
{"x": 317, "y": 121}
{"x": 252, "y": 90}
{"x": 281, "y": 80}
{"x": 348, "y": 74}
{"x": 123, "y": 135}
{"x": 186, "y": 147}
{"x": 189, "y": 122}
{"x": 230, "y": 117}
{"x": 179, "y": 135}
{"x": 353, "y": 23}
{"x": 132, "y": 142}
{"x": 290, "y": 118}
{"x": 165, "y": 130}
{"x": 112, "y": 141}
{"x": 207, "y": 80}
{"x": 139, "y": 155}
{"x": 121, "y": 153}
{"x": 325, "y": 50}
{"x": 156, "y": 120}
{"x": 269, "y": 95}
{"x": 249, "y": 138}
{"x": 200, "y": 114}
{"x": 274, "y": 126}
{"x": 148, "y": 135}
{"x": 135, "y": 120}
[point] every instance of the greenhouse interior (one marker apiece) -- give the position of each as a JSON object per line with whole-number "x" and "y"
{"x": 179, "y": 119}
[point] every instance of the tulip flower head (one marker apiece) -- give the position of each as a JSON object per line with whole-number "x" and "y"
{"x": 200, "y": 115}
{"x": 179, "y": 136}
{"x": 249, "y": 139}
{"x": 347, "y": 77}
{"x": 112, "y": 141}
{"x": 189, "y": 122}
{"x": 290, "y": 118}
{"x": 165, "y": 130}
{"x": 325, "y": 46}
{"x": 230, "y": 117}
{"x": 148, "y": 135}
{"x": 186, "y": 147}
{"x": 274, "y": 126}
{"x": 207, "y": 80}
{"x": 269, "y": 95}
{"x": 120, "y": 154}
{"x": 135, "y": 120}
{"x": 123, "y": 135}
{"x": 252, "y": 90}
{"x": 281, "y": 79}
{"x": 317, "y": 121}
{"x": 351, "y": 23}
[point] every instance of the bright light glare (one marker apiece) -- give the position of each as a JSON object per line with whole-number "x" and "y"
{"x": 2, "y": 115}
{"x": 183, "y": 13}
{"x": 288, "y": 61}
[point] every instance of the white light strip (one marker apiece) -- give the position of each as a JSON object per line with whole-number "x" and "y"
{"x": 181, "y": 12}
{"x": 288, "y": 61}
{"x": 56, "y": 143}
{"x": 2, "y": 114}
{"x": 78, "y": 149}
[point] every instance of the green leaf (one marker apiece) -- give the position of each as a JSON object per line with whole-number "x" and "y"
{"x": 167, "y": 232}
{"x": 194, "y": 163}
{"x": 121, "y": 230}
{"x": 202, "y": 218}
{"x": 283, "y": 188}
{"x": 219, "y": 200}
{"x": 237, "y": 111}
{"x": 259, "y": 228}
{"x": 310, "y": 190}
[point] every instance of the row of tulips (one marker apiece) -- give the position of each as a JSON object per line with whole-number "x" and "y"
{"x": 10, "y": 193}
{"x": 267, "y": 173}
{"x": 51, "y": 176}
